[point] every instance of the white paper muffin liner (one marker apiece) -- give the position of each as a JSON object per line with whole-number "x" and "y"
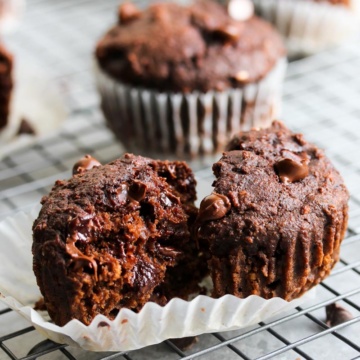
{"x": 309, "y": 27}
{"x": 129, "y": 331}
{"x": 187, "y": 125}
{"x": 35, "y": 99}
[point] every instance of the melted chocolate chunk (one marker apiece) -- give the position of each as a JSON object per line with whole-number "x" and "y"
{"x": 82, "y": 227}
{"x": 137, "y": 191}
{"x": 336, "y": 315}
{"x": 79, "y": 259}
{"x": 213, "y": 207}
{"x": 292, "y": 168}
{"x": 81, "y": 230}
{"x": 85, "y": 163}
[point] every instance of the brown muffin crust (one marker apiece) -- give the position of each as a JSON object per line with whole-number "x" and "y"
{"x": 105, "y": 238}
{"x": 169, "y": 47}
{"x": 335, "y": 2}
{"x": 277, "y": 216}
{"x": 6, "y": 85}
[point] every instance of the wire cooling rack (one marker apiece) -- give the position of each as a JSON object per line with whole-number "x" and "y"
{"x": 321, "y": 99}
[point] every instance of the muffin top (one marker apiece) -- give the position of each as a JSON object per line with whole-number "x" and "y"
{"x": 272, "y": 187}
{"x": 177, "y": 48}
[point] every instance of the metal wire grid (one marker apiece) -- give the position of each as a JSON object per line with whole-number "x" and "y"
{"x": 321, "y": 100}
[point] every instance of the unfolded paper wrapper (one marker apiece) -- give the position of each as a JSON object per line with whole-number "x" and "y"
{"x": 309, "y": 26}
{"x": 129, "y": 331}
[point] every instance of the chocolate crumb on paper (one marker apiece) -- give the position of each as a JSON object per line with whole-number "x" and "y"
{"x": 26, "y": 128}
{"x": 103, "y": 324}
{"x": 186, "y": 343}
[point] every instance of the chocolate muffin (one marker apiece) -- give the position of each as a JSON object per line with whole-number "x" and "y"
{"x": 276, "y": 218}
{"x": 310, "y": 26}
{"x": 6, "y": 85}
{"x": 106, "y": 238}
{"x": 183, "y": 79}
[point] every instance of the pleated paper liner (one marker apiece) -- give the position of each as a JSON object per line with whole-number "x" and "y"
{"x": 158, "y": 124}
{"x": 309, "y": 26}
{"x": 130, "y": 330}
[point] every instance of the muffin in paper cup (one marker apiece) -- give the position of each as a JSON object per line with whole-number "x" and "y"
{"x": 310, "y": 26}
{"x": 130, "y": 330}
{"x": 181, "y": 80}
{"x": 187, "y": 125}
{"x": 273, "y": 231}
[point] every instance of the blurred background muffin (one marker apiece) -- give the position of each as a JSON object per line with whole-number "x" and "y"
{"x": 309, "y": 26}
{"x": 6, "y": 85}
{"x": 181, "y": 80}
{"x": 11, "y": 12}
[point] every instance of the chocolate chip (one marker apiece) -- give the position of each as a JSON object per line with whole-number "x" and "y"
{"x": 228, "y": 32}
{"x": 213, "y": 207}
{"x": 336, "y": 315}
{"x": 137, "y": 190}
{"x": 293, "y": 167}
{"x": 84, "y": 164}
{"x": 79, "y": 259}
{"x": 185, "y": 343}
{"x": 128, "y": 12}
{"x": 26, "y": 128}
